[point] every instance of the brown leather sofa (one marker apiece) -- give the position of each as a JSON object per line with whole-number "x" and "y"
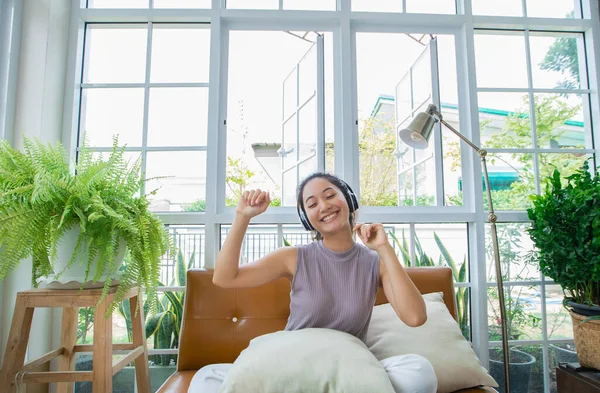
{"x": 219, "y": 323}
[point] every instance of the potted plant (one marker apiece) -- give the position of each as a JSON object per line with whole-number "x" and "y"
{"x": 97, "y": 208}
{"x": 565, "y": 230}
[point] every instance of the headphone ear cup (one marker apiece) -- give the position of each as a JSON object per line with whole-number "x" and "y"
{"x": 304, "y": 220}
{"x": 350, "y": 198}
{"x": 354, "y": 201}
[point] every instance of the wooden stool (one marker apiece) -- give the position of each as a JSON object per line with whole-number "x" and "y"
{"x": 103, "y": 369}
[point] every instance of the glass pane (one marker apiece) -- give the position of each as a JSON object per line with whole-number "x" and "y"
{"x": 124, "y": 379}
{"x": 258, "y": 241}
{"x": 190, "y": 244}
{"x": 307, "y": 129}
{"x": 259, "y": 63}
{"x": 526, "y": 368}
{"x": 406, "y": 154}
{"x": 451, "y": 155}
{"x": 180, "y": 179}
{"x": 511, "y": 179}
{"x": 85, "y": 325}
{"x": 559, "y": 121}
{"x": 182, "y": 3}
{"x": 380, "y": 76}
{"x": 403, "y": 103}
{"x": 308, "y": 75}
{"x": 290, "y": 94}
{"x": 405, "y": 189}
{"x": 557, "y": 60}
{"x": 253, "y": 4}
{"x": 306, "y": 168}
{"x": 431, "y": 6}
{"x": 504, "y": 120}
{"x": 122, "y": 324}
{"x": 180, "y": 54}
{"x": 290, "y": 148}
{"x": 159, "y": 374}
{"x": 493, "y": 7}
{"x": 377, "y": 159}
{"x": 566, "y": 164}
{"x": 131, "y": 157}
{"x": 164, "y": 365}
{"x": 118, "y": 3}
{"x": 522, "y": 312}
{"x": 500, "y": 60}
{"x": 425, "y": 181}
{"x": 515, "y": 247}
{"x": 124, "y": 45}
{"x": 296, "y": 235}
{"x": 551, "y": 8}
{"x": 559, "y": 321}
{"x": 290, "y": 182}
{"x": 398, "y": 236}
{"x": 421, "y": 81}
{"x": 329, "y": 154}
{"x": 317, "y": 5}
{"x": 178, "y": 116}
{"x": 108, "y": 112}
{"x": 443, "y": 245}
{"x": 377, "y": 5}
{"x": 329, "y": 107}
{"x": 560, "y": 353}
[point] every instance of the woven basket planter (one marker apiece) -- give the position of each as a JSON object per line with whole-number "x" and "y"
{"x": 587, "y": 340}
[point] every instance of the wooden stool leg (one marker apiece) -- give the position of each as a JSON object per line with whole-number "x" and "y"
{"x": 102, "y": 356}
{"x": 68, "y": 339}
{"x": 142, "y": 372}
{"x": 16, "y": 348}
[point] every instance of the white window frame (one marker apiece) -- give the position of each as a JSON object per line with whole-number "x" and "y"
{"x": 344, "y": 24}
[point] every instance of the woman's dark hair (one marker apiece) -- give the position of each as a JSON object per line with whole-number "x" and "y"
{"x": 336, "y": 181}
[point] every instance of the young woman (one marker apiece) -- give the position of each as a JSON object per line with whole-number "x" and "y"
{"x": 334, "y": 279}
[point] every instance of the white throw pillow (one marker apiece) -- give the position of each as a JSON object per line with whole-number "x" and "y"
{"x": 308, "y": 360}
{"x": 439, "y": 340}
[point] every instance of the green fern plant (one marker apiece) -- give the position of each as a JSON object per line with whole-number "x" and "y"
{"x": 41, "y": 199}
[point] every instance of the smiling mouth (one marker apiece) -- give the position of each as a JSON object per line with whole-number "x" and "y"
{"x": 329, "y": 217}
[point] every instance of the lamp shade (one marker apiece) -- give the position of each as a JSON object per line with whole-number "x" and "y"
{"x": 417, "y": 133}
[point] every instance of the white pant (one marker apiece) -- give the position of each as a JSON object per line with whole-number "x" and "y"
{"x": 407, "y": 373}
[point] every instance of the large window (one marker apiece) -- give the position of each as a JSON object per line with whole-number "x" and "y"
{"x": 398, "y": 75}
{"x": 147, "y": 85}
{"x": 279, "y": 111}
{"x": 533, "y": 109}
{"x": 273, "y": 90}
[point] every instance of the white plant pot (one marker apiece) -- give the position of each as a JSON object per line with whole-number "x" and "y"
{"x": 74, "y": 276}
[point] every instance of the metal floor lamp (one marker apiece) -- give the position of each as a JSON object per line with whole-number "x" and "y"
{"x": 417, "y": 135}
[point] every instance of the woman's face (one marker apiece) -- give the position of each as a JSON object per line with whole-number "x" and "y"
{"x": 325, "y": 206}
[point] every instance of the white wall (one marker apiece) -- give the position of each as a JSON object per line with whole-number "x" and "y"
{"x": 38, "y": 109}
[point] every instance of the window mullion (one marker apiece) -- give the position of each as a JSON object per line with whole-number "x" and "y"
{"x": 146, "y": 102}
{"x": 472, "y": 190}
{"x": 216, "y": 138}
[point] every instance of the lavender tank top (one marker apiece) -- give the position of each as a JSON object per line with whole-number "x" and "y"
{"x": 334, "y": 290}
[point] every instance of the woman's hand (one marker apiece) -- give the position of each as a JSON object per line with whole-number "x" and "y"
{"x": 252, "y": 203}
{"x": 372, "y": 235}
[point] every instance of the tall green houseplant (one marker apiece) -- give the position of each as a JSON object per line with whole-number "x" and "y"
{"x": 565, "y": 230}
{"x": 41, "y": 199}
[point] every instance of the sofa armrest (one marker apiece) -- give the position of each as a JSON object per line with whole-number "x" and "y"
{"x": 179, "y": 382}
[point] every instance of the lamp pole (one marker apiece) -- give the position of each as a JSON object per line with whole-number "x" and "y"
{"x": 416, "y": 135}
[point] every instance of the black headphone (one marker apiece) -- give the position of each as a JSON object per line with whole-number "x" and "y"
{"x": 350, "y": 199}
